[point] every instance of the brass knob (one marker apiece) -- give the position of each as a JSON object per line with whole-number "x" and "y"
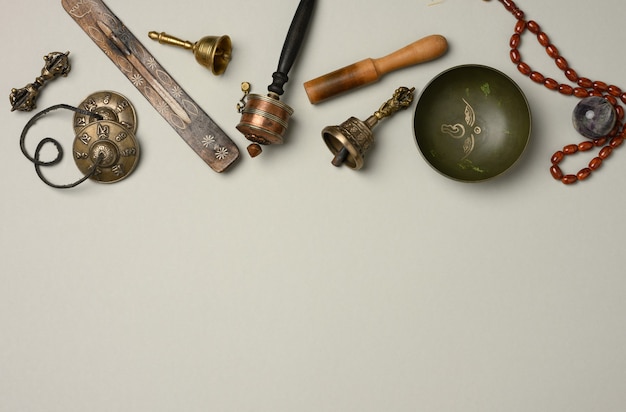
{"x": 212, "y": 52}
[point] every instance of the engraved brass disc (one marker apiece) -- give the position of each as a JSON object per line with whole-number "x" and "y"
{"x": 110, "y": 143}
{"x": 111, "y": 106}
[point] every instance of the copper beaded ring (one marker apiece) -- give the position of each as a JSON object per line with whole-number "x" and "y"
{"x": 586, "y": 88}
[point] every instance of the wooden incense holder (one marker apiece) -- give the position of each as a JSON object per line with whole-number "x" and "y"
{"x": 371, "y": 70}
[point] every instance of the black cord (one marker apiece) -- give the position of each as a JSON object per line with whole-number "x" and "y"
{"x": 35, "y": 159}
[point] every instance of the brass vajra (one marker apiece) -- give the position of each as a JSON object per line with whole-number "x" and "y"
{"x": 57, "y": 65}
{"x": 402, "y": 98}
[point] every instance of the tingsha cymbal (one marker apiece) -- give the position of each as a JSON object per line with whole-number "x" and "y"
{"x": 107, "y": 146}
{"x": 111, "y": 106}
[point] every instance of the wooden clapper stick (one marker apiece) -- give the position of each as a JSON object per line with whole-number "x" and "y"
{"x": 370, "y": 70}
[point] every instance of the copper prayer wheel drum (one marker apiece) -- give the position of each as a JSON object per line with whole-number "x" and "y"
{"x": 264, "y": 119}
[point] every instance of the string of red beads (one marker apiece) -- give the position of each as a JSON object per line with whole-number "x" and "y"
{"x": 585, "y": 87}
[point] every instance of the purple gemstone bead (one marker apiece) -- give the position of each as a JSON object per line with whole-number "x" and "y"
{"x": 594, "y": 117}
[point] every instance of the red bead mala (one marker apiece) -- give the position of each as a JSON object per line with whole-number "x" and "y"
{"x": 586, "y": 88}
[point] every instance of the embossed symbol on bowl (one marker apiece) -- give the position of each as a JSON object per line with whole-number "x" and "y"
{"x": 459, "y": 130}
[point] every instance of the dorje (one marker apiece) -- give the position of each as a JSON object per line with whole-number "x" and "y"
{"x": 351, "y": 140}
{"x": 212, "y": 52}
{"x": 57, "y": 65}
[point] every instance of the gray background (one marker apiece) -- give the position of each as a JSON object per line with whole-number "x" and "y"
{"x": 287, "y": 284}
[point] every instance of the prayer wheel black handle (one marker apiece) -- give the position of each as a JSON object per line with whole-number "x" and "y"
{"x": 292, "y": 45}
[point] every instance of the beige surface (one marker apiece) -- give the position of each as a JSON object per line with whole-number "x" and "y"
{"x": 287, "y": 284}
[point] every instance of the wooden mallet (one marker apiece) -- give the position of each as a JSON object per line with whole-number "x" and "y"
{"x": 370, "y": 70}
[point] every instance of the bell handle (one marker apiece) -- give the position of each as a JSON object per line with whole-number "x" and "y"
{"x": 164, "y": 38}
{"x": 292, "y": 45}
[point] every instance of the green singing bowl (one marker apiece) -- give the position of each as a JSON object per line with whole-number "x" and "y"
{"x": 472, "y": 123}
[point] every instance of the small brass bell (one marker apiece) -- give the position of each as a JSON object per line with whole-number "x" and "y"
{"x": 212, "y": 52}
{"x": 351, "y": 140}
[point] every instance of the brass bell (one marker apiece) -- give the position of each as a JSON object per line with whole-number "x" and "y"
{"x": 351, "y": 140}
{"x": 212, "y": 52}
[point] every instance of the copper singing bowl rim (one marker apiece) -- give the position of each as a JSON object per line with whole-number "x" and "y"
{"x": 472, "y": 123}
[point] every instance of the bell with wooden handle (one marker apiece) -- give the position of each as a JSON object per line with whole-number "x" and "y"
{"x": 351, "y": 140}
{"x": 212, "y": 52}
{"x": 371, "y": 70}
{"x": 264, "y": 119}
